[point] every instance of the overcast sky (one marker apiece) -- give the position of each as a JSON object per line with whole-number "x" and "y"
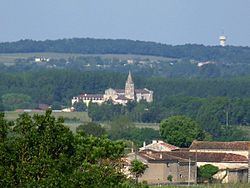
{"x": 165, "y": 21}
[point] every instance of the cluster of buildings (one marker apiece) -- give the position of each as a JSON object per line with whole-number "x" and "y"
{"x": 117, "y": 96}
{"x": 166, "y": 162}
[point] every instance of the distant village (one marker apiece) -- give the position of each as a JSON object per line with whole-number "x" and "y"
{"x": 117, "y": 96}
{"x": 164, "y": 160}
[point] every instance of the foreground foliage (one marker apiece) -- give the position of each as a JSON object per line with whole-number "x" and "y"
{"x": 40, "y": 151}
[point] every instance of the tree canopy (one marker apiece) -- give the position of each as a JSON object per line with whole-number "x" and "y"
{"x": 40, "y": 151}
{"x": 91, "y": 128}
{"x": 181, "y": 131}
{"x": 207, "y": 171}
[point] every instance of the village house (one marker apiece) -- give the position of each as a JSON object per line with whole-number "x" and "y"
{"x": 235, "y": 171}
{"x": 117, "y": 96}
{"x": 164, "y": 159}
{"x": 163, "y": 168}
{"x": 232, "y": 167}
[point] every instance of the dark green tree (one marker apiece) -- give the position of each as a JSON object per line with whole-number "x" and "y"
{"x": 181, "y": 131}
{"x": 120, "y": 127}
{"x": 207, "y": 171}
{"x": 1, "y": 105}
{"x": 80, "y": 107}
{"x": 41, "y": 152}
{"x": 137, "y": 168}
{"x": 13, "y": 101}
{"x": 56, "y": 106}
{"x": 91, "y": 128}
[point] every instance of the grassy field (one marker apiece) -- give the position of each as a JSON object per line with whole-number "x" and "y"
{"x": 74, "y": 119}
{"x": 155, "y": 126}
{"x": 10, "y": 58}
{"x": 79, "y": 117}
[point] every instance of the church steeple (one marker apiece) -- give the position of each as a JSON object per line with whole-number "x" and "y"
{"x": 130, "y": 88}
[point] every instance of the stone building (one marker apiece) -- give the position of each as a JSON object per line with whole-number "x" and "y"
{"x": 163, "y": 168}
{"x": 164, "y": 159}
{"x": 236, "y": 166}
{"x": 117, "y": 96}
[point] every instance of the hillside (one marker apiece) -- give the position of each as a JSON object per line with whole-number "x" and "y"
{"x": 229, "y": 54}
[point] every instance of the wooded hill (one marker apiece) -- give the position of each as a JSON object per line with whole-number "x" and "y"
{"x": 228, "y": 54}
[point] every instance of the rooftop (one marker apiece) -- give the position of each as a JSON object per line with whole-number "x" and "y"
{"x": 237, "y": 145}
{"x": 159, "y": 146}
{"x": 185, "y": 156}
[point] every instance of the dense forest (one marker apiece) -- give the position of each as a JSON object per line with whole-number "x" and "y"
{"x": 228, "y": 54}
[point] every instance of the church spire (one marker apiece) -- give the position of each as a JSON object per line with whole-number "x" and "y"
{"x": 130, "y": 88}
{"x": 129, "y": 79}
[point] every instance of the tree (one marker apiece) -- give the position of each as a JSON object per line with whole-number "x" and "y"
{"x": 170, "y": 178}
{"x": 120, "y": 128}
{"x": 39, "y": 149}
{"x": 1, "y": 105}
{"x": 91, "y": 128}
{"x": 137, "y": 168}
{"x": 42, "y": 152}
{"x": 56, "y": 106}
{"x": 12, "y": 101}
{"x": 5, "y": 127}
{"x": 207, "y": 171}
{"x": 80, "y": 106}
{"x": 181, "y": 131}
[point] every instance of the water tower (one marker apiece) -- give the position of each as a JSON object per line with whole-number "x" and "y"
{"x": 222, "y": 40}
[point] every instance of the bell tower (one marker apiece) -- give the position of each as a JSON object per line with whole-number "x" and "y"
{"x": 130, "y": 88}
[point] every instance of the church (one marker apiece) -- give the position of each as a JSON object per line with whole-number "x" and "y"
{"x": 117, "y": 96}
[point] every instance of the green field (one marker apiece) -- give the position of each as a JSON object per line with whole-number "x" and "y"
{"x": 81, "y": 116}
{"x": 76, "y": 117}
{"x": 10, "y": 58}
{"x": 155, "y": 126}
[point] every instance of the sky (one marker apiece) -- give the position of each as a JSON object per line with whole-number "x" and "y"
{"x": 173, "y": 22}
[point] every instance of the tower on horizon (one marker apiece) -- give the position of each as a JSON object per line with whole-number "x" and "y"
{"x": 223, "y": 40}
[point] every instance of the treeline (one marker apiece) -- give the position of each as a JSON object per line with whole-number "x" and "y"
{"x": 218, "y": 116}
{"x": 60, "y": 86}
{"x": 229, "y": 54}
{"x": 213, "y": 103}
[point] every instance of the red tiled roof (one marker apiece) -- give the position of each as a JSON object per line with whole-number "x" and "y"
{"x": 159, "y": 146}
{"x": 237, "y": 145}
{"x": 160, "y": 156}
{"x": 171, "y": 147}
{"x": 184, "y": 156}
{"x": 209, "y": 156}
